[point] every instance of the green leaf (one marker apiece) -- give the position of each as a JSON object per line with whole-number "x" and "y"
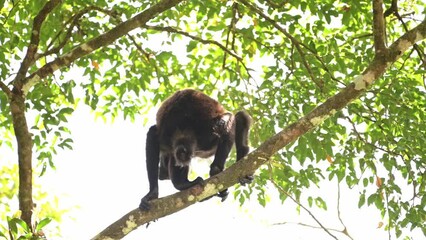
{"x": 320, "y": 203}
{"x": 2, "y": 235}
{"x": 42, "y": 224}
{"x": 15, "y": 222}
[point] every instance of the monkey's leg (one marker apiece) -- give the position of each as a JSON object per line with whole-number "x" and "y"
{"x": 179, "y": 177}
{"x": 242, "y": 127}
{"x": 222, "y": 152}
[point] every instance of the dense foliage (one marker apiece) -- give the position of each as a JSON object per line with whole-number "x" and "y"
{"x": 276, "y": 59}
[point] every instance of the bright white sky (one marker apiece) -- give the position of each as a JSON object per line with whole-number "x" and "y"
{"x": 105, "y": 176}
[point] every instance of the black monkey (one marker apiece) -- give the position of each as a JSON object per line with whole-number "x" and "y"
{"x": 191, "y": 124}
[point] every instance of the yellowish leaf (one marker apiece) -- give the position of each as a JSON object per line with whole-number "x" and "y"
{"x": 329, "y": 159}
{"x": 378, "y": 182}
{"x": 95, "y": 65}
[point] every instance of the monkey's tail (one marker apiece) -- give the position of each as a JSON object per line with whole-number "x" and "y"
{"x": 242, "y": 126}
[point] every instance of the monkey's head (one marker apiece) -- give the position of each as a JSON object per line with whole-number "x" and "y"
{"x": 184, "y": 145}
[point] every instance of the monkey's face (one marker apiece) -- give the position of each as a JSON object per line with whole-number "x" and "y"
{"x": 184, "y": 146}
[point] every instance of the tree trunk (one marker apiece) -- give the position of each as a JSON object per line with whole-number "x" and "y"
{"x": 25, "y": 143}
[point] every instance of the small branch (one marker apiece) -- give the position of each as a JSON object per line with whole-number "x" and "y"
{"x": 394, "y": 10}
{"x": 280, "y": 189}
{"x": 204, "y": 41}
{"x": 371, "y": 144}
{"x": 294, "y": 41}
{"x": 199, "y": 39}
{"x": 14, "y": 4}
{"x": 6, "y": 90}
{"x": 389, "y": 218}
{"x": 319, "y": 83}
{"x": 277, "y": 5}
{"x": 310, "y": 226}
{"x": 345, "y": 229}
{"x": 231, "y": 28}
{"x": 73, "y": 22}
{"x": 100, "y": 41}
{"x": 379, "y": 33}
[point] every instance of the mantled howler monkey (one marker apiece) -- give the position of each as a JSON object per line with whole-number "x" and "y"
{"x": 191, "y": 124}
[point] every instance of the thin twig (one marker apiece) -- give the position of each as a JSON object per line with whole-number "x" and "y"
{"x": 308, "y": 225}
{"x": 294, "y": 41}
{"x": 199, "y": 39}
{"x": 14, "y": 4}
{"x": 393, "y": 9}
{"x": 73, "y": 22}
{"x": 276, "y": 5}
{"x": 204, "y": 41}
{"x": 345, "y": 229}
{"x": 371, "y": 144}
{"x": 281, "y": 190}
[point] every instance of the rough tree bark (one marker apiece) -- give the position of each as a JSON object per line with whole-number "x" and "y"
{"x": 170, "y": 204}
{"x": 23, "y": 83}
{"x": 25, "y": 144}
{"x": 20, "y": 126}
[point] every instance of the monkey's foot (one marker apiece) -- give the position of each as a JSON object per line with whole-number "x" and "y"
{"x": 246, "y": 180}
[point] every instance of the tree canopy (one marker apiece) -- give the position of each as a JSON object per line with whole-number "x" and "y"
{"x": 336, "y": 90}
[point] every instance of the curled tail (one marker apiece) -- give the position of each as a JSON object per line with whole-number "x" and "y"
{"x": 242, "y": 127}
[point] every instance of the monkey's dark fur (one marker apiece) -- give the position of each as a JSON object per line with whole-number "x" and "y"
{"x": 191, "y": 124}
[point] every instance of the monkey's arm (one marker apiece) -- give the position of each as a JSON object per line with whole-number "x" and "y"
{"x": 152, "y": 162}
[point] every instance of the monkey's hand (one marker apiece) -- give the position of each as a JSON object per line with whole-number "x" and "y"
{"x": 145, "y": 205}
{"x": 246, "y": 180}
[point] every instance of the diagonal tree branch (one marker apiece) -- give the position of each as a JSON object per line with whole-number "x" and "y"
{"x": 102, "y": 40}
{"x": 230, "y": 176}
{"x": 34, "y": 41}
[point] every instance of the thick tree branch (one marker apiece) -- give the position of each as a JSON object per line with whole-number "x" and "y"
{"x": 102, "y": 40}
{"x": 20, "y": 126}
{"x": 25, "y": 144}
{"x": 180, "y": 200}
{"x": 379, "y": 27}
{"x": 34, "y": 41}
